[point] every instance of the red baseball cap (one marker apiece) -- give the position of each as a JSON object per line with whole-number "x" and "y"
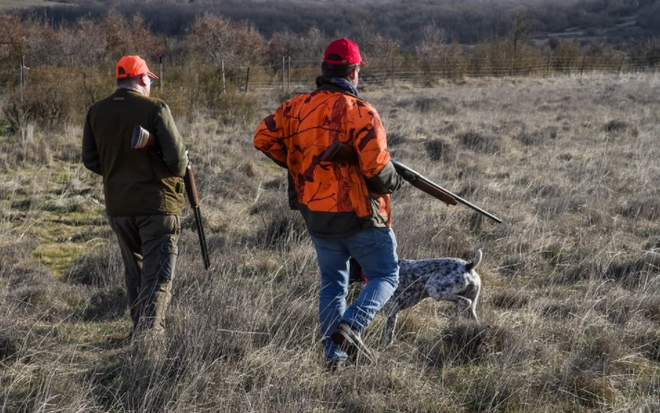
{"x": 132, "y": 66}
{"x": 346, "y": 49}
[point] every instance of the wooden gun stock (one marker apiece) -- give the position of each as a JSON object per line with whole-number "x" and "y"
{"x": 423, "y": 184}
{"x": 341, "y": 153}
{"x": 191, "y": 186}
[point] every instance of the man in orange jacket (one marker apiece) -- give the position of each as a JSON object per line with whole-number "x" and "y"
{"x": 346, "y": 207}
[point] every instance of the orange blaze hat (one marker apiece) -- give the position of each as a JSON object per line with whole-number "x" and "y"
{"x": 132, "y": 66}
{"x": 348, "y": 52}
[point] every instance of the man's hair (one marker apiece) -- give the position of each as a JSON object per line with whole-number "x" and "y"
{"x": 129, "y": 81}
{"x": 330, "y": 70}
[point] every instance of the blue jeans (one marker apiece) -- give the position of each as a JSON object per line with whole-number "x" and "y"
{"x": 375, "y": 250}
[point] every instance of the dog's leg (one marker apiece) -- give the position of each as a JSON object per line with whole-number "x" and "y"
{"x": 390, "y": 309}
{"x": 473, "y": 296}
{"x": 441, "y": 291}
{"x": 389, "y": 329}
{"x": 462, "y": 304}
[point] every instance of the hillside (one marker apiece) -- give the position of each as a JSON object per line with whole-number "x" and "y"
{"x": 616, "y": 21}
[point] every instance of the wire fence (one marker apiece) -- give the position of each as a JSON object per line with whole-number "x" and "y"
{"x": 291, "y": 74}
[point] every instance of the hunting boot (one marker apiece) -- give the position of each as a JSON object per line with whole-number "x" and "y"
{"x": 348, "y": 339}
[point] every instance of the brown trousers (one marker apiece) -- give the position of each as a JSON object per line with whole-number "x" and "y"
{"x": 149, "y": 250}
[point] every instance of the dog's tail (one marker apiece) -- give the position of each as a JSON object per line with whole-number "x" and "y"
{"x": 475, "y": 261}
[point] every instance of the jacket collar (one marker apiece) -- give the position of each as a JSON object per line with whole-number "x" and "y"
{"x": 331, "y": 87}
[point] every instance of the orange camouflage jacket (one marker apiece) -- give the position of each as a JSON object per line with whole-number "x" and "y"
{"x": 336, "y": 200}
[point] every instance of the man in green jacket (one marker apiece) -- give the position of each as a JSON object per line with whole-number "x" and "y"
{"x": 144, "y": 189}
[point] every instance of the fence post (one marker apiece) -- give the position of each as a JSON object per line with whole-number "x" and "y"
{"x": 288, "y": 83}
{"x": 160, "y": 67}
{"x": 283, "y": 72}
{"x": 247, "y": 79}
{"x": 392, "y": 65}
{"x": 224, "y": 84}
{"x": 582, "y": 66}
{"x": 21, "y": 80}
{"x": 621, "y": 63}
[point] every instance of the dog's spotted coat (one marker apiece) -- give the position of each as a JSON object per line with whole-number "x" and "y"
{"x": 449, "y": 279}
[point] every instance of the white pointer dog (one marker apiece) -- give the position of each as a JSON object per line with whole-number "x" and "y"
{"x": 451, "y": 279}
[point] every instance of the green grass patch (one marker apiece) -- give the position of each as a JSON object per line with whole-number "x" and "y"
{"x": 58, "y": 258}
{"x": 96, "y": 334}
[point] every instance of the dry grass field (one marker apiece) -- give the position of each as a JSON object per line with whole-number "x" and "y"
{"x": 570, "y": 308}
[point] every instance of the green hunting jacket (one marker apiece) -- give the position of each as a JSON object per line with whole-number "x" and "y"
{"x": 135, "y": 181}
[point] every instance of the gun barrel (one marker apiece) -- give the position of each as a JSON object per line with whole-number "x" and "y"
{"x": 342, "y": 153}
{"x": 401, "y": 168}
{"x": 202, "y": 238}
{"x": 193, "y": 198}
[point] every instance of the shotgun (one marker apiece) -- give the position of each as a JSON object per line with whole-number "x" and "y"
{"x": 342, "y": 153}
{"x": 142, "y": 139}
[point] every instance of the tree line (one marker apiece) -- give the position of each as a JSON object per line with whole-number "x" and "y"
{"x": 71, "y": 64}
{"x": 463, "y": 21}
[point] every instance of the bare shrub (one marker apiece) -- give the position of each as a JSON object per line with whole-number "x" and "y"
{"x": 490, "y": 391}
{"x": 97, "y": 270}
{"x": 633, "y": 273}
{"x": 560, "y": 310}
{"x": 233, "y": 108}
{"x": 108, "y": 304}
{"x": 510, "y": 299}
{"x": 538, "y": 137}
{"x": 617, "y": 126}
{"x": 649, "y": 343}
{"x": 646, "y": 208}
{"x": 513, "y": 266}
{"x": 479, "y": 142}
{"x": 12, "y": 254}
{"x": 49, "y": 103}
{"x": 587, "y": 268}
{"x": 431, "y": 48}
{"x": 623, "y": 308}
{"x": 587, "y": 389}
{"x": 50, "y": 300}
{"x": 10, "y": 345}
{"x": 123, "y": 37}
{"x": 282, "y": 231}
{"x": 234, "y": 184}
{"x": 469, "y": 342}
{"x": 396, "y": 139}
{"x": 440, "y": 150}
{"x": 213, "y": 39}
{"x": 428, "y": 105}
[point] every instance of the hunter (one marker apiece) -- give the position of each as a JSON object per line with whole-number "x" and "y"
{"x": 144, "y": 190}
{"x": 346, "y": 207}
